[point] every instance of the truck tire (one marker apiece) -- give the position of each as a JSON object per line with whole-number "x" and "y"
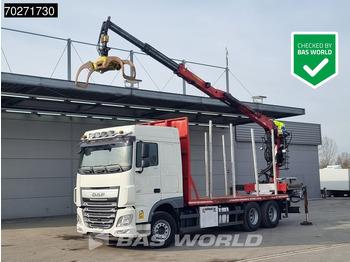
{"x": 163, "y": 229}
{"x": 252, "y": 217}
{"x": 270, "y": 214}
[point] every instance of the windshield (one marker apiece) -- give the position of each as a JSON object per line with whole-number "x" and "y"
{"x": 106, "y": 157}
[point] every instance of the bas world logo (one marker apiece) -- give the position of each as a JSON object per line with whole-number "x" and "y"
{"x": 314, "y": 57}
{"x": 187, "y": 240}
{"x": 209, "y": 240}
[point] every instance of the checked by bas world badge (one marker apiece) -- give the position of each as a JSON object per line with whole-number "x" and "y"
{"x": 314, "y": 57}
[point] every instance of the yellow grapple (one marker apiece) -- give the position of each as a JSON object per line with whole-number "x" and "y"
{"x": 103, "y": 64}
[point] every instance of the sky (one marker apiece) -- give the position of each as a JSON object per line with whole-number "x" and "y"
{"x": 256, "y": 34}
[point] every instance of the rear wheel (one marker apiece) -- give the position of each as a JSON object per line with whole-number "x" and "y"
{"x": 163, "y": 229}
{"x": 270, "y": 213}
{"x": 252, "y": 217}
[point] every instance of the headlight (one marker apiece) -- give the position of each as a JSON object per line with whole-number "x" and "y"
{"x": 75, "y": 195}
{"x": 124, "y": 220}
{"x": 110, "y": 133}
{"x": 78, "y": 219}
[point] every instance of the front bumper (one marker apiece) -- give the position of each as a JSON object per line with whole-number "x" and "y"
{"x": 126, "y": 230}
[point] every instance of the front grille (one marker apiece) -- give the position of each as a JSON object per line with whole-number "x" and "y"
{"x": 99, "y": 214}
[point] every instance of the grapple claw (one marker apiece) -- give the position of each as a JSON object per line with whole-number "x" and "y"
{"x": 90, "y": 66}
{"x": 103, "y": 64}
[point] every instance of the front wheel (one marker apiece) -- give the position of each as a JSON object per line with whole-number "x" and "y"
{"x": 163, "y": 229}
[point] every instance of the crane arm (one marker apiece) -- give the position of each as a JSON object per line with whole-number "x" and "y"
{"x": 184, "y": 73}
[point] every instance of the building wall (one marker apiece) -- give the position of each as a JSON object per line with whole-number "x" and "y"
{"x": 39, "y": 163}
{"x": 40, "y": 158}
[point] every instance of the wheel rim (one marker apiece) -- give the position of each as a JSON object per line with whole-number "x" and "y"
{"x": 272, "y": 213}
{"x": 161, "y": 230}
{"x": 253, "y": 216}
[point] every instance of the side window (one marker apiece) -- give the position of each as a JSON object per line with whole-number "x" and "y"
{"x": 152, "y": 157}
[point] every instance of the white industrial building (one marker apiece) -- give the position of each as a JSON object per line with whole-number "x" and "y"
{"x": 43, "y": 120}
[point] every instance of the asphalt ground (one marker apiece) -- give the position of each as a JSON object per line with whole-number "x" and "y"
{"x": 56, "y": 239}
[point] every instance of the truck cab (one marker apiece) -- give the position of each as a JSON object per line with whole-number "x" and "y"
{"x": 124, "y": 174}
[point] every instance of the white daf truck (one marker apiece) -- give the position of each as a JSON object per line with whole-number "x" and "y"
{"x": 135, "y": 181}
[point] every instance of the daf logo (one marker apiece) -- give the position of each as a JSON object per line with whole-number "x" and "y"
{"x": 98, "y": 194}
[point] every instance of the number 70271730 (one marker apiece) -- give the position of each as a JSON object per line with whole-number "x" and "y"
{"x": 30, "y": 10}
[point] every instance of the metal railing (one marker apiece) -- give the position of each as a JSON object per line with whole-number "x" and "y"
{"x": 39, "y": 65}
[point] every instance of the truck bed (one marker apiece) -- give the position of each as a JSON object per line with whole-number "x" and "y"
{"x": 230, "y": 199}
{"x": 188, "y": 184}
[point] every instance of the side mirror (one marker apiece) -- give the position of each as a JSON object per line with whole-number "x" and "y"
{"x": 144, "y": 150}
{"x": 144, "y": 154}
{"x": 144, "y": 163}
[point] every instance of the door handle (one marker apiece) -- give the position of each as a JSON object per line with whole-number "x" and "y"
{"x": 156, "y": 190}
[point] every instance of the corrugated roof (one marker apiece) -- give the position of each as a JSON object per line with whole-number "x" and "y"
{"x": 33, "y": 93}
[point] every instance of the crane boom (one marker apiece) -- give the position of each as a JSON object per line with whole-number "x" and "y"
{"x": 188, "y": 76}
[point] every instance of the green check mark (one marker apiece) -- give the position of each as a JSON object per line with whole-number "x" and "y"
{"x": 317, "y": 69}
